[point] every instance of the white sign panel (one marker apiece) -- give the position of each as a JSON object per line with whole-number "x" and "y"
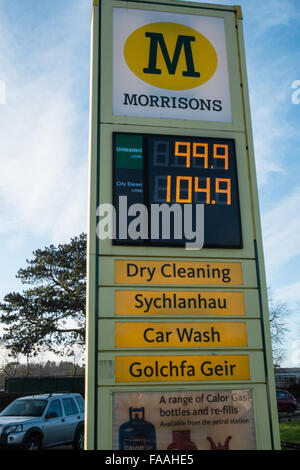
{"x": 184, "y": 420}
{"x": 170, "y": 66}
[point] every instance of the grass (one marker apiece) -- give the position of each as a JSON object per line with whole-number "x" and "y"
{"x": 290, "y": 431}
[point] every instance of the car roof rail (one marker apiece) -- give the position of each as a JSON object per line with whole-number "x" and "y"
{"x": 59, "y": 392}
{"x": 50, "y": 394}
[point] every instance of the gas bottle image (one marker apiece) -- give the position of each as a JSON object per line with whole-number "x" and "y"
{"x": 219, "y": 446}
{"x": 137, "y": 434}
{"x": 182, "y": 441}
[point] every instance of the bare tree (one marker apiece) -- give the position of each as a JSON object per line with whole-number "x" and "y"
{"x": 279, "y": 312}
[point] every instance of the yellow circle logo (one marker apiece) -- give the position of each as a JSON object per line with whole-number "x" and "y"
{"x": 170, "y": 56}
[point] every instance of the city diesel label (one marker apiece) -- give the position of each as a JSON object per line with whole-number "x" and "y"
{"x": 182, "y": 368}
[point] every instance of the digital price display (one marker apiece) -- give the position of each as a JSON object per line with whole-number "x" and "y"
{"x": 160, "y": 169}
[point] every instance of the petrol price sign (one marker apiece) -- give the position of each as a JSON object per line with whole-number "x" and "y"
{"x": 160, "y": 169}
{"x": 178, "y": 339}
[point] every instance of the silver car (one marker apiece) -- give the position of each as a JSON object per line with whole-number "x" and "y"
{"x": 43, "y": 420}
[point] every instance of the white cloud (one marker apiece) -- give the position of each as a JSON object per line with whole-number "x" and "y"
{"x": 273, "y": 13}
{"x": 43, "y": 164}
{"x": 268, "y": 130}
{"x": 270, "y": 96}
{"x": 290, "y": 292}
{"x": 281, "y": 229}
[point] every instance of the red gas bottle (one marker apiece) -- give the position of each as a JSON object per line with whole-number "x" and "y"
{"x": 219, "y": 446}
{"x": 182, "y": 441}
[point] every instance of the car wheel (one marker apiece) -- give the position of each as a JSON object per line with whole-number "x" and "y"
{"x": 78, "y": 443}
{"x": 291, "y": 409}
{"x": 33, "y": 443}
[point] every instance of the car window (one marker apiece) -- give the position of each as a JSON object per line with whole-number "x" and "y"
{"x": 55, "y": 407}
{"x": 25, "y": 408}
{"x": 281, "y": 394}
{"x": 69, "y": 406}
{"x": 80, "y": 403}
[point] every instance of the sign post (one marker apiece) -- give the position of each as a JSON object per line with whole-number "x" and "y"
{"x": 178, "y": 339}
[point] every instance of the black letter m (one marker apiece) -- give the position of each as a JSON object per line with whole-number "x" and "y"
{"x": 182, "y": 42}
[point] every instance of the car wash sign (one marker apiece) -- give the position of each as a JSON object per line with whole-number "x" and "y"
{"x": 170, "y": 64}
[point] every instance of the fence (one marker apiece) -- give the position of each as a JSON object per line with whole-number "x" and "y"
{"x": 290, "y": 445}
{"x": 27, "y": 385}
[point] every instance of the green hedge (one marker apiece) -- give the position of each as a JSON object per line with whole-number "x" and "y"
{"x": 294, "y": 389}
{"x": 6, "y": 398}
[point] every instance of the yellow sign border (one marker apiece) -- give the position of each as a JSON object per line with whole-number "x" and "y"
{"x": 176, "y": 302}
{"x": 204, "y": 273}
{"x": 181, "y": 335}
{"x": 201, "y": 368}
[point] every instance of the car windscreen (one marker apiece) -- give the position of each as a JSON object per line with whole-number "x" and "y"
{"x": 80, "y": 403}
{"x": 25, "y": 408}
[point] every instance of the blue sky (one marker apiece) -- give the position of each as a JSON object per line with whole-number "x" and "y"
{"x": 44, "y": 63}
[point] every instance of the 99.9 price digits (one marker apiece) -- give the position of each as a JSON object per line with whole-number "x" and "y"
{"x": 189, "y": 188}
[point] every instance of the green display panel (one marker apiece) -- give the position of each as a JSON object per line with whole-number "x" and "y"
{"x": 168, "y": 169}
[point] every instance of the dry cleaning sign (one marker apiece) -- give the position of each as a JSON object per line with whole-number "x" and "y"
{"x": 170, "y": 66}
